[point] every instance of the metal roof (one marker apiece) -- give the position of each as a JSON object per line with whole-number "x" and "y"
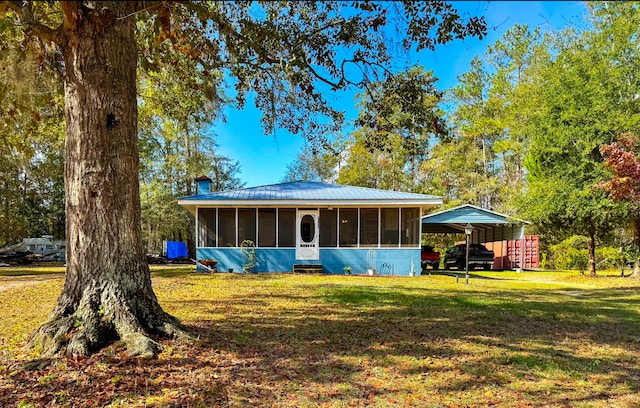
{"x": 308, "y": 192}
{"x": 488, "y": 225}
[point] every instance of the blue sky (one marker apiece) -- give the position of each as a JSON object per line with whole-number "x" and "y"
{"x": 264, "y": 158}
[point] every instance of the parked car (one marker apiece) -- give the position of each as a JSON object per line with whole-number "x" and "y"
{"x": 479, "y": 256}
{"x": 429, "y": 257}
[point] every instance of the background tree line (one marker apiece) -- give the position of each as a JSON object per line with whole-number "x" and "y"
{"x": 177, "y": 104}
{"x": 544, "y": 126}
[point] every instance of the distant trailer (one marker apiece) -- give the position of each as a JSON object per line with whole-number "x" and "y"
{"x": 45, "y": 248}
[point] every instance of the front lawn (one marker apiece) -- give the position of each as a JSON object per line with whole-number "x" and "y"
{"x": 508, "y": 339}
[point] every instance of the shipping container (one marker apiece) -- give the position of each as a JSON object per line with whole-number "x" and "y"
{"x": 508, "y": 254}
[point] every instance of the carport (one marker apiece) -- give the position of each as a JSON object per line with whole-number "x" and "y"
{"x": 488, "y": 226}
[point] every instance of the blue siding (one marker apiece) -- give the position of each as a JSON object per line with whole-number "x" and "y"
{"x": 332, "y": 259}
{"x": 267, "y": 260}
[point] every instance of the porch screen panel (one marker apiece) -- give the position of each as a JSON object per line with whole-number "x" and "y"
{"x": 348, "y": 227}
{"x": 226, "y": 227}
{"x": 287, "y": 227}
{"x": 389, "y": 224}
{"x": 267, "y": 227}
{"x": 410, "y": 219}
{"x": 206, "y": 227}
{"x": 369, "y": 227}
{"x": 246, "y": 225}
{"x": 328, "y": 228}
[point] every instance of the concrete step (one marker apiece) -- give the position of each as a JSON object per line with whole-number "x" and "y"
{"x": 308, "y": 268}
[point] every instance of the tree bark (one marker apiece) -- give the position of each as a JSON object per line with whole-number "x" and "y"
{"x": 592, "y": 254}
{"x": 107, "y": 292}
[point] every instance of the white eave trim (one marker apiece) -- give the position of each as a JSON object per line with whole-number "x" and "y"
{"x": 308, "y": 203}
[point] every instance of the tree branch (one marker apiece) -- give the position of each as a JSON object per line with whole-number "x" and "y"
{"x": 151, "y": 5}
{"x": 71, "y": 11}
{"x": 29, "y": 23}
{"x": 229, "y": 32}
{"x": 314, "y": 73}
{"x": 333, "y": 85}
{"x": 330, "y": 24}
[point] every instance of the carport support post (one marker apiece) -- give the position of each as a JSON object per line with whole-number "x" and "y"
{"x": 522, "y": 244}
{"x": 468, "y": 230}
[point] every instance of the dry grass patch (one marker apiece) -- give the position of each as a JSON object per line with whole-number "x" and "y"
{"x": 530, "y": 339}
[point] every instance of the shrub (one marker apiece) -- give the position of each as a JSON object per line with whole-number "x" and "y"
{"x": 573, "y": 253}
{"x": 609, "y": 258}
{"x": 544, "y": 261}
{"x": 570, "y": 254}
{"x": 248, "y": 250}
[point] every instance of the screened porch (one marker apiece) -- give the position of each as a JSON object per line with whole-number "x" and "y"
{"x": 380, "y": 227}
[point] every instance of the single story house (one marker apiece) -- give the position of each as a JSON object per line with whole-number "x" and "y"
{"x": 300, "y": 223}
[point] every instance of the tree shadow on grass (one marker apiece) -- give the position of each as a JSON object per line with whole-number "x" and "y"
{"x": 30, "y": 272}
{"x": 565, "y": 374}
{"x": 174, "y": 271}
{"x": 279, "y": 346}
{"x": 462, "y": 275}
{"x": 320, "y": 338}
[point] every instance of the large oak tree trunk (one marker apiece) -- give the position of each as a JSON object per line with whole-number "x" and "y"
{"x": 107, "y": 293}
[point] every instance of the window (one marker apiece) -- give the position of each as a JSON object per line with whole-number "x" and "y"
{"x": 267, "y": 227}
{"x": 246, "y": 225}
{"x": 207, "y": 227}
{"x": 369, "y": 227}
{"x": 307, "y": 228}
{"x": 328, "y": 228}
{"x": 287, "y": 227}
{"x": 410, "y": 227}
{"x": 226, "y": 227}
{"x": 389, "y": 224}
{"x": 348, "y": 227}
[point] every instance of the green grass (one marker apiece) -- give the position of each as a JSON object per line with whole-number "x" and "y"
{"x": 507, "y": 339}
{"x": 31, "y": 270}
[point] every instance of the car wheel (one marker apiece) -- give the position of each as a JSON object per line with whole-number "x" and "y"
{"x": 436, "y": 267}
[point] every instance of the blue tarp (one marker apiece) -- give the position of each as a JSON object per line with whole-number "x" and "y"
{"x": 176, "y": 250}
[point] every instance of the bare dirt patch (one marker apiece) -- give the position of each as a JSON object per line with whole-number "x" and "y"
{"x": 10, "y": 282}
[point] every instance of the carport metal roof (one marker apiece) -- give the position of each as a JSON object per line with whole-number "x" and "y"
{"x": 488, "y": 226}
